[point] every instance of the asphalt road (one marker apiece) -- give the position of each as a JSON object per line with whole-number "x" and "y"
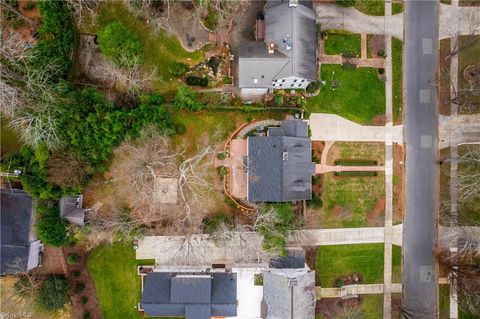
{"x": 421, "y": 136}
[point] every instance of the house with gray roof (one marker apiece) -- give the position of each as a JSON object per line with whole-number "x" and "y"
{"x": 191, "y": 295}
{"x": 20, "y": 249}
{"x": 71, "y": 209}
{"x": 279, "y": 165}
{"x": 285, "y": 57}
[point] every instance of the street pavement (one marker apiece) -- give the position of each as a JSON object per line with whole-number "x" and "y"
{"x": 421, "y": 137}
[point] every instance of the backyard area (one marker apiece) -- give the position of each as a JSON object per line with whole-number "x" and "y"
{"x": 335, "y": 263}
{"x": 113, "y": 268}
{"x": 340, "y": 41}
{"x": 358, "y": 95}
{"x": 159, "y": 47}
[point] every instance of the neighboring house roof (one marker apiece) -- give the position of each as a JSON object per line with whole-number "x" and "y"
{"x": 19, "y": 246}
{"x": 280, "y": 166}
{"x": 295, "y": 259}
{"x": 294, "y": 27}
{"x": 194, "y": 296}
{"x": 289, "y": 293}
{"x": 71, "y": 209}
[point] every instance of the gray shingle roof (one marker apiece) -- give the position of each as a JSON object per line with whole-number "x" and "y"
{"x": 196, "y": 296}
{"x": 289, "y": 295}
{"x": 280, "y": 167}
{"x": 16, "y": 223}
{"x": 72, "y": 211}
{"x": 301, "y": 60}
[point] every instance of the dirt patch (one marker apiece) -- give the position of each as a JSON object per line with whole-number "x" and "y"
{"x": 52, "y": 263}
{"x": 398, "y": 180}
{"x": 376, "y": 46}
{"x": 317, "y": 149}
{"x": 78, "y": 274}
{"x": 444, "y": 99}
{"x": 376, "y": 216}
{"x": 379, "y": 120}
{"x": 310, "y": 260}
{"x": 332, "y": 308}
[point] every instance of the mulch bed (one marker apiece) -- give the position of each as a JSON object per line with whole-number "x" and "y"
{"x": 310, "y": 260}
{"x": 398, "y": 171}
{"x": 376, "y": 44}
{"x": 92, "y": 305}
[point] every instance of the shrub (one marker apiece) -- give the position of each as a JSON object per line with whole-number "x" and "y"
{"x": 76, "y": 273}
{"x": 56, "y": 39}
{"x": 79, "y": 287}
{"x": 315, "y": 202}
{"x": 119, "y": 44}
{"x": 340, "y": 283}
{"x": 84, "y": 300}
{"x": 316, "y": 180}
{"x": 86, "y": 315}
{"x": 222, "y": 171}
{"x": 73, "y": 259}
{"x": 381, "y": 53}
{"x": 211, "y": 20}
{"x": 381, "y": 71}
{"x": 346, "y": 3}
{"x": 313, "y": 87}
{"x": 178, "y": 68}
{"x": 54, "y": 293}
{"x": 51, "y": 229}
{"x": 279, "y": 100}
{"x": 180, "y": 128}
{"x": 22, "y": 286}
{"x": 30, "y": 5}
{"x": 221, "y": 155}
{"x": 186, "y": 98}
{"x": 197, "y": 81}
{"x": 349, "y": 66}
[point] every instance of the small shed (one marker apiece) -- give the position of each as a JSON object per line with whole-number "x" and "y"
{"x": 71, "y": 209}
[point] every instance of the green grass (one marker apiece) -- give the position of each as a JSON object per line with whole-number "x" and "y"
{"x": 469, "y": 52}
{"x": 397, "y": 8}
{"x": 397, "y": 80}
{"x": 343, "y": 260}
{"x": 396, "y": 264}
{"x": 113, "y": 268}
{"x": 347, "y": 201}
{"x": 371, "y": 7}
{"x": 444, "y": 301}
{"x": 355, "y": 163}
{"x": 372, "y": 306}
{"x": 356, "y": 173}
{"x": 160, "y": 48}
{"x": 339, "y": 41}
{"x": 370, "y": 151}
{"x": 360, "y": 98}
{"x": 446, "y": 1}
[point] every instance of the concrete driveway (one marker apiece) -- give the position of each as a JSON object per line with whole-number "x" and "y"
{"x": 331, "y": 127}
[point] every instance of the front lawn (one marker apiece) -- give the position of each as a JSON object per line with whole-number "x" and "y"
{"x": 358, "y": 95}
{"x": 339, "y": 41}
{"x": 159, "y": 47}
{"x": 377, "y": 7}
{"x": 397, "y": 79}
{"x": 396, "y": 264}
{"x": 357, "y": 151}
{"x": 469, "y": 54}
{"x": 343, "y": 260}
{"x": 113, "y": 268}
{"x": 352, "y": 201}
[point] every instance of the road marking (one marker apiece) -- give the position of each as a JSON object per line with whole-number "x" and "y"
{"x": 426, "y": 273}
{"x": 424, "y": 95}
{"x": 427, "y": 45}
{"x": 426, "y": 141}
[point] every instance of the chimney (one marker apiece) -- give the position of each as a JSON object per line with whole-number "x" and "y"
{"x": 271, "y": 48}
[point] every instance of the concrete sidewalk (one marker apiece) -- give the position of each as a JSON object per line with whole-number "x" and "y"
{"x": 200, "y": 250}
{"x": 354, "y": 290}
{"x": 331, "y": 127}
{"x": 460, "y": 129}
{"x": 321, "y": 169}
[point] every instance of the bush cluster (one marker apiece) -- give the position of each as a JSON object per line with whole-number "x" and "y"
{"x": 197, "y": 81}
{"x": 186, "y": 98}
{"x": 54, "y": 293}
{"x": 178, "y": 68}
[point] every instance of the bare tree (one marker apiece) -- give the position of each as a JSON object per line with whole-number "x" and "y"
{"x": 82, "y": 9}
{"x": 7, "y": 6}
{"x": 25, "y": 289}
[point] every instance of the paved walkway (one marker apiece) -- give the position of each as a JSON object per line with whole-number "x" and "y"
{"x": 459, "y": 129}
{"x": 200, "y": 250}
{"x": 352, "y": 291}
{"x": 331, "y": 127}
{"x": 321, "y": 169}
